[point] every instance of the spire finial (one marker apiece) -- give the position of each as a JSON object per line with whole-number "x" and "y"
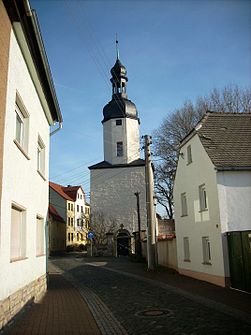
{"x": 117, "y": 46}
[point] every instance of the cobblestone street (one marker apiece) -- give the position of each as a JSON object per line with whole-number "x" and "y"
{"x": 129, "y": 303}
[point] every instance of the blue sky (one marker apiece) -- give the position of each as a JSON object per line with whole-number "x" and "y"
{"x": 173, "y": 51}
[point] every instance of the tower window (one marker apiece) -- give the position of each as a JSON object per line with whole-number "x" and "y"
{"x": 120, "y": 149}
{"x": 118, "y": 122}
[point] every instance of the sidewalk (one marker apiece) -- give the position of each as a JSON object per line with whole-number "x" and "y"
{"x": 62, "y": 311}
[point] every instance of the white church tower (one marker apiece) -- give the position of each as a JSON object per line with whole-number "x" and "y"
{"x": 115, "y": 180}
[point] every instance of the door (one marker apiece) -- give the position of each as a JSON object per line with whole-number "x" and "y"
{"x": 239, "y": 247}
{"x": 123, "y": 244}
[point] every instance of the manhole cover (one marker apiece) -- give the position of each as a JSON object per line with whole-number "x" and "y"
{"x": 154, "y": 312}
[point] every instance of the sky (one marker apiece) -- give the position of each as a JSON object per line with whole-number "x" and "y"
{"x": 173, "y": 51}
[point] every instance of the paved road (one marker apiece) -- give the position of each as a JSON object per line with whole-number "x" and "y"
{"x": 143, "y": 308}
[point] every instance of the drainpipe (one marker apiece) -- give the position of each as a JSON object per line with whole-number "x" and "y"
{"x": 60, "y": 125}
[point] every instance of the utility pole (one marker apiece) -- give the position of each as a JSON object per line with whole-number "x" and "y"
{"x": 139, "y": 226}
{"x": 151, "y": 232}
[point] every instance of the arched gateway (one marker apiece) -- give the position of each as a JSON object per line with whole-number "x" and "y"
{"x": 123, "y": 239}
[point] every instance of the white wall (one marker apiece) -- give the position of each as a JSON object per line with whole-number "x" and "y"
{"x": 128, "y": 133}
{"x": 112, "y": 193}
{"x": 198, "y": 224}
{"x": 79, "y": 202}
{"x": 234, "y": 188}
{"x": 21, "y": 182}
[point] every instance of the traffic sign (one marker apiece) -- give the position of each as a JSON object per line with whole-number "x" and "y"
{"x": 90, "y": 235}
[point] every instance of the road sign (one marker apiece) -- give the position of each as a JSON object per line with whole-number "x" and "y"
{"x": 90, "y": 235}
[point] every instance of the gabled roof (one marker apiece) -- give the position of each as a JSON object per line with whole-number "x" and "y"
{"x": 72, "y": 191}
{"x": 53, "y": 212}
{"x": 59, "y": 189}
{"x": 67, "y": 192}
{"x": 107, "y": 165}
{"x": 226, "y": 138}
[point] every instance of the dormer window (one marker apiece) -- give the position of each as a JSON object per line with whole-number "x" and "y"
{"x": 189, "y": 155}
{"x": 119, "y": 122}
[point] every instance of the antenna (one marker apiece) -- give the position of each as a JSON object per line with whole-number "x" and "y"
{"x": 117, "y": 46}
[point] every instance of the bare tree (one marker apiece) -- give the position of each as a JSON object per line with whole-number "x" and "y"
{"x": 179, "y": 123}
{"x": 102, "y": 225}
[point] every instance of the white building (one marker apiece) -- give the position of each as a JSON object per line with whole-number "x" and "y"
{"x": 28, "y": 107}
{"x": 115, "y": 180}
{"x": 212, "y": 194}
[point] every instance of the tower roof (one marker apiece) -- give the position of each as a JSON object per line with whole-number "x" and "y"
{"x": 120, "y": 106}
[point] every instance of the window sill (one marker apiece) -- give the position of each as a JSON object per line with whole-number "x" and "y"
{"x": 41, "y": 255}
{"x": 203, "y": 210}
{"x": 13, "y": 260}
{"x": 41, "y": 175}
{"x": 21, "y": 149}
{"x": 183, "y": 215}
{"x": 187, "y": 260}
{"x": 207, "y": 263}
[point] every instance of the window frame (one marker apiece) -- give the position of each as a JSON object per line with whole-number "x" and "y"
{"x": 186, "y": 249}
{"x": 203, "y": 198}
{"x": 119, "y": 122}
{"x": 41, "y": 157}
{"x": 22, "y": 114}
{"x": 206, "y": 250}
{"x": 40, "y": 245}
{"x": 184, "y": 208}
{"x": 189, "y": 154}
{"x": 18, "y": 252}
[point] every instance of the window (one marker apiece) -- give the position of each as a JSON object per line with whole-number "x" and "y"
{"x": 72, "y": 207}
{"x": 22, "y": 124}
{"x": 69, "y": 237}
{"x": 81, "y": 196}
{"x": 120, "y": 149}
{"x": 72, "y": 221}
{"x": 40, "y": 236}
{"x": 206, "y": 250}
{"x": 18, "y": 233}
{"x": 77, "y": 208}
{"x": 186, "y": 249}
{"x": 118, "y": 122}
{"x": 72, "y": 236}
{"x": 189, "y": 154}
{"x": 77, "y": 237}
{"x": 78, "y": 222}
{"x": 203, "y": 197}
{"x": 69, "y": 221}
{"x": 82, "y": 209}
{"x": 40, "y": 156}
{"x": 183, "y": 204}
{"x": 69, "y": 206}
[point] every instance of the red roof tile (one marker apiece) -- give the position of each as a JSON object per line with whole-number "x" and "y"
{"x": 67, "y": 192}
{"x": 59, "y": 189}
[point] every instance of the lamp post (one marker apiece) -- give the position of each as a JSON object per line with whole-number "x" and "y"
{"x": 139, "y": 254}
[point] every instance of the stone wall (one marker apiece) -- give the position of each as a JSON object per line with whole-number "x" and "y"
{"x": 32, "y": 292}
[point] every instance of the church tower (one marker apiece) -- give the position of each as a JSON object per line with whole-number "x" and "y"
{"x": 115, "y": 180}
{"x": 121, "y": 122}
